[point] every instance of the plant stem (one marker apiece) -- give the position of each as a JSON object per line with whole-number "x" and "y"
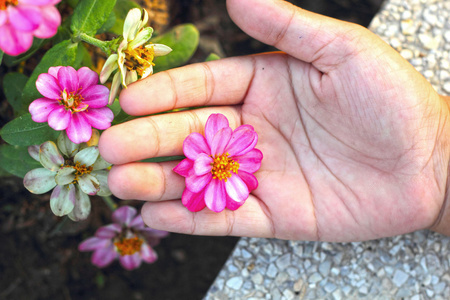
{"x": 104, "y": 46}
{"x": 110, "y": 202}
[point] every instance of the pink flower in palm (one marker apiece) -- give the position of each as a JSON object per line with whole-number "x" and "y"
{"x": 20, "y": 20}
{"x": 127, "y": 239}
{"x": 219, "y": 167}
{"x": 73, "y": 101}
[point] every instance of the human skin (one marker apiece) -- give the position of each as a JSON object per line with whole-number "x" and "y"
{"x": 355, "y": 140}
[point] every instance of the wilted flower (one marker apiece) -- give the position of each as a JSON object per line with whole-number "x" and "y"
{"x": 135, "y": 54}
{"x": 73, "y": 101}
{"x": 73, "y": 170}
{"x": 127, "y": 239}
{"x": 219, "y": 168}
{"x": 20, "y": 20}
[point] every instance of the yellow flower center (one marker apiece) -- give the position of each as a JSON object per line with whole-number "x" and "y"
{"x": 128, "y": 246}
{"x": 223, "y": 166}
{"x": 71, "y": 101}
{"x": 80, "y": 169}
{"x": 5, "y": 3}
{"x": 139, "y": 59}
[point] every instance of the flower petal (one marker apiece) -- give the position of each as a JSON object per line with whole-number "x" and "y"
{"x": 79, "y": 129}
{"x": 87, "y": 77}
{"x": 137, "y": 222}
{"x": 236, "y": 188}
{"x": 39, "y": 181}
{"x": 65, "y": 176}
{"x": 104, "y": 256}
{"x": 41, "y": 108}
{"x": 95, "y": 96}
{"x": 184, "y": 167}
{"x": 108, "y": 231}
{"x": 68, "y": 79}
{"x": 89, "y": 184}
{"x": 66, "y": 146}
{"x": 102, "y": 177}
{"x": 195, "y": 144}
{"x": 220, "y": 141}
{"x": 38, "y": 2}
{"x": 115, "y": 85}
{"x": 243, "y": 140}
{"x": 50, "y": 157}
{"x": 99, "y": 118}
{"x": 87, "y": 156}
{"x": 59, "y": 118}
{"x": 54, "y": 71}
{"x": 233, "y": 205}
{"x": 148, "y": 254}
{"x": 3, "y": 17}
{"x": 215, "y": 196}
{"x": 34, "y": 152}
{"x": 250, "y": 161}
{"x": 196, "y": 183}
{"x": 124, "y": 215}
{"x": 14, "y": 42}
{"x": 131, "y": 24}
{"x": 202, "y": 164}
{"x": 131, "y": 262}
{"x": 159, "y": 49}
{"x": 82, "y": 206}
{"x": 62, "y": 200}
{"x": 48, "y": 86}
{"x": 100, "y": 164}
{"x": 214, "y": 123}
{"x": 94, "y": 243}
{"x": 24, "y": 17}
{"x": 51, "y": 19}
{"x": 141, "y": 38}
{"x": 249, "y": 179}
{"x": 109, "y": 67}
{"x": 193, "y": 201}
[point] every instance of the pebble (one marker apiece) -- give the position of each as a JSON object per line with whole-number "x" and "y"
{"x": 400, "y": 278}
{"x": 235, "y": 283}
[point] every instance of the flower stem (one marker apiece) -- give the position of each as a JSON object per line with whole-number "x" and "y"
{"x": 104, "y": 46}
{"x": 110, "y": 202}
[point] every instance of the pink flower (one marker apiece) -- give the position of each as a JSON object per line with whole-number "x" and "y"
{"x": 127, "y": 239}
{"x": 219, "y": 168}
{"x": 20, "y": 20}
{"x": 73, "y": 101}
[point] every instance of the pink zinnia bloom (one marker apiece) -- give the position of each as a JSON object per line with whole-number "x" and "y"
{"x": 219, "y": 167}
{"x": 20, "y": 20}
{"x": 127, "y": 239}
{"x": 73, "y": 101}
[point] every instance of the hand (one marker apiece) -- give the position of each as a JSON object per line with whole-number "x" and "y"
{"x": 354, "y": 138}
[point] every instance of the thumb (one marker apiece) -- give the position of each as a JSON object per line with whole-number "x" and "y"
{"x": 307, "y": 36}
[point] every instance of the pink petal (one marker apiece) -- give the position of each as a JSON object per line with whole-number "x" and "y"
{"x": 68, "y": 79}
{"x": 59, "y": 118}
{"x": 48, "y": 86}
{"x": 236, "y": 188}
{"x": 148, "y": 254}
{"x": 54, "y": 71}
{"x": 214, "y": 123}
{"x": 79, "y": 130}
{"x": 250, "y": 161}
{"x": 14, "y": 42}
{"x": 87, "y": 77}
{"x": 104, "y": 256}
{"x": 24, "y": 18}
{"x": 193, "y": 201}
{"x": 39, "y": 2}
{"x": 202, "y": 164}
{"x": 41, "y": 108}
{"x": 99, "y": 118}
{"x": 95, "y": 96}
{"x": 195, "y": 144}
{"x": 153, "y": 236}
{"x": 233, "y": 205}
{"x": 137, "y": 222}
{"x": 215, "y": 196}
{"x": 51, "y": 19}
{"x": 220, "y": 141}
{"x": 243, "y": 140}
{"x": 108, "y": 231}
{"x": 249, "y": 179}
{"x": 130, "y": 262}
{"x": 196, "y": 183}
{"x": 94, "y": 243}
{"x": 3, "y": 17}
{"x": 124, "y": 215}
{"x": 184, "y": 167}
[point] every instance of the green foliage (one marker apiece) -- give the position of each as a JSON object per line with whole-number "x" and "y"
{"x": 212, "y": 57}
{"x": 23, "y": 131}
{"x": 15, "y": 160}
{"x": 90, "y": 15}
{"x": 1, "y": 56}
{"x": 13, "y": 84}
{"x": 62, "y": 54}
{"x": 108, "y": 23}
{"x": 183, "y": 39}
{"x": 121, "y": 10}
{"x": 14, "y": 60}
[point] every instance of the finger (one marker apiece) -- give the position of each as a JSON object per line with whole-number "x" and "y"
{"x": 223, "y": 82}
{"x": 307, "y": 36}
{"x": 248, "y": 220}
{"x": 146, "y": 181}
{"x": 156, "y": 136}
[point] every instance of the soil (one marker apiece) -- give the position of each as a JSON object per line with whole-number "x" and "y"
{"x": 39, "y": 252}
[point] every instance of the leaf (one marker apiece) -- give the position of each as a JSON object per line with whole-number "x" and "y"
{"x": 121, "y": 10}
{"x": 23, "y": 131}
{"x": 1, "y": 56}
{"x": 108, "y": 23}
{"x": 13, "y": 84}
{"x": 16, "y": 160}
{"x": 90, "y": 15}
{"x": 212, "y": 56}
{"x": 183, "y": 39}
{"x": 62, "y": 54}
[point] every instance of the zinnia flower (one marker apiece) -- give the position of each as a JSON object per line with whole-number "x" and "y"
{"x": 135, "y": 54}
{"x": 73, "y": 101}
{"x": 20, "y": 20}
{"x": 219, "y": 167}
{"x": 127, "y": 239}
{"x": 74, "y": 171}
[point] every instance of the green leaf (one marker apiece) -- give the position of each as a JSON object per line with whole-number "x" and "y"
{"x": 90, "y": 15}
{"x": 121, "y": 10}
{"x": 13, "y": 84}
{"x": 1, "y": 56}
{"x": 23, "y": 131}
{"x": 163, "y": 159}
{"x": 183, "y": 39}
{"x": 62, "y": 54}
{"x": 83, "y": 58}
{"x": 16, "y": 160}
{"x": 212, "y": 57}
{"x": 108, "y": 24}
